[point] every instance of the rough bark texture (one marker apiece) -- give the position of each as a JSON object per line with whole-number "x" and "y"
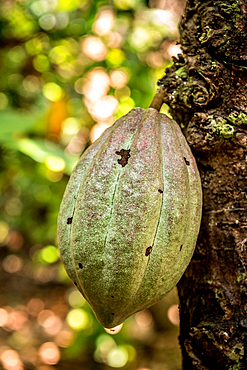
{"x": 206, "y": 91}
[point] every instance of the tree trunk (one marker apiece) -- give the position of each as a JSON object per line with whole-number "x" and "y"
{"x": 206, "y": 91}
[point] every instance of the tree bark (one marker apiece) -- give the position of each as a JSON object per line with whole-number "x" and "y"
{"x": 206, "y": 92}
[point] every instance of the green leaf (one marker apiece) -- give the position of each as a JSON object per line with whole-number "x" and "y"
{"x": 13, "y": 124}
{"x": 46, "y": 152}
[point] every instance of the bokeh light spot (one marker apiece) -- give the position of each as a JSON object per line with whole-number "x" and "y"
{"x": 78, "y": 26}
{"x": 14, "y": 206}
{"x": 173, "y": 314}
{"x": 59, "y": 54}
{"x": 49, "y": 254}
{"x": 126, "y": 104}
{"x": 3, "y": 101}
{"x": 118, "y": 357}
{"x": 104, "y": 21}
{"x": 4, "y": 230}
{"x": 54, "y": 176}
{"x": 155, "y": 59}
{"x": 15, "y": 240}
{"x": 76, "y": 299}
{"x": 52, "y": 91}
{"x": 165, "y": 17}
{"x": 97, "y": 130}
{"x": 139, "y": 39}
{"x": 105, "y": 343}
{"x": 104, "y": 108}
{"x": 126, "y": 4}
{"x": 115, "y": 57}
{"x": 94, "y": 48}
{"x": 52, "y": 325}
{"x": 43, "y": 316}
{"x": 78, "y": 319}
{"x": 131, "y": 351}
{"x": 16, "y": 320}
{"x": 79, "y": 85}
{"x": 144, "y": 318}
{"x": 96, "y": 86}
{"x": 17, "y": 54}
{"x": 11, "y": 360}
{"x": 70, "y": 5}
{"x": 62, "y": 20}
{"x": 49, "y": 353}
{"x": 41, "y": 63}
{"x": 40, "y": 7}
{"x": 12, "y": 263}
{"x": 35, "y": 306}
{"x": 3, "y": 316}
{"x": 55, "y": 164}
{"x": 64, "y": 338}
{"x": 47, "y": 21}
{"x": 174, "y": 50}
{"x": 31, "y": 83}
{"x": 70, "y": 126}
{"x": 119, "y": 78}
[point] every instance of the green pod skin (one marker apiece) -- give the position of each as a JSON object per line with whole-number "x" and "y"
{"x": 130, "y": 215}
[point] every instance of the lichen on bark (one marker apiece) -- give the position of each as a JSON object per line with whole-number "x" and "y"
{"x": 206, "y": 91}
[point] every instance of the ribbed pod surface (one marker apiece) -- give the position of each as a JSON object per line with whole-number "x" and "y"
{"x": 130, "y": 215}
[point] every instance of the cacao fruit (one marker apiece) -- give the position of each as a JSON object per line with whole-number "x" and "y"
{"x": 130, "y": 215}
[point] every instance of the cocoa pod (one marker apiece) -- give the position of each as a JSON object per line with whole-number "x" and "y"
{"x": 130, "y": 215}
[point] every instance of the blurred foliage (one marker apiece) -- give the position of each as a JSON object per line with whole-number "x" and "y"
{"x": 68, "y": 69}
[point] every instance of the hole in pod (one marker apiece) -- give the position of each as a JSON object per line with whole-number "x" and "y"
{"x": 148, "y": 251}
{"x": 80, "y": 265}
{"x": 125, "y": 155}
{"x": 69, "y": 220}
{"x": 160, "y": 191}
{"x": 187, "y": 162}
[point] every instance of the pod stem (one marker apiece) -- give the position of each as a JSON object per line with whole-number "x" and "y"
{"x": 157, "y": 100}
